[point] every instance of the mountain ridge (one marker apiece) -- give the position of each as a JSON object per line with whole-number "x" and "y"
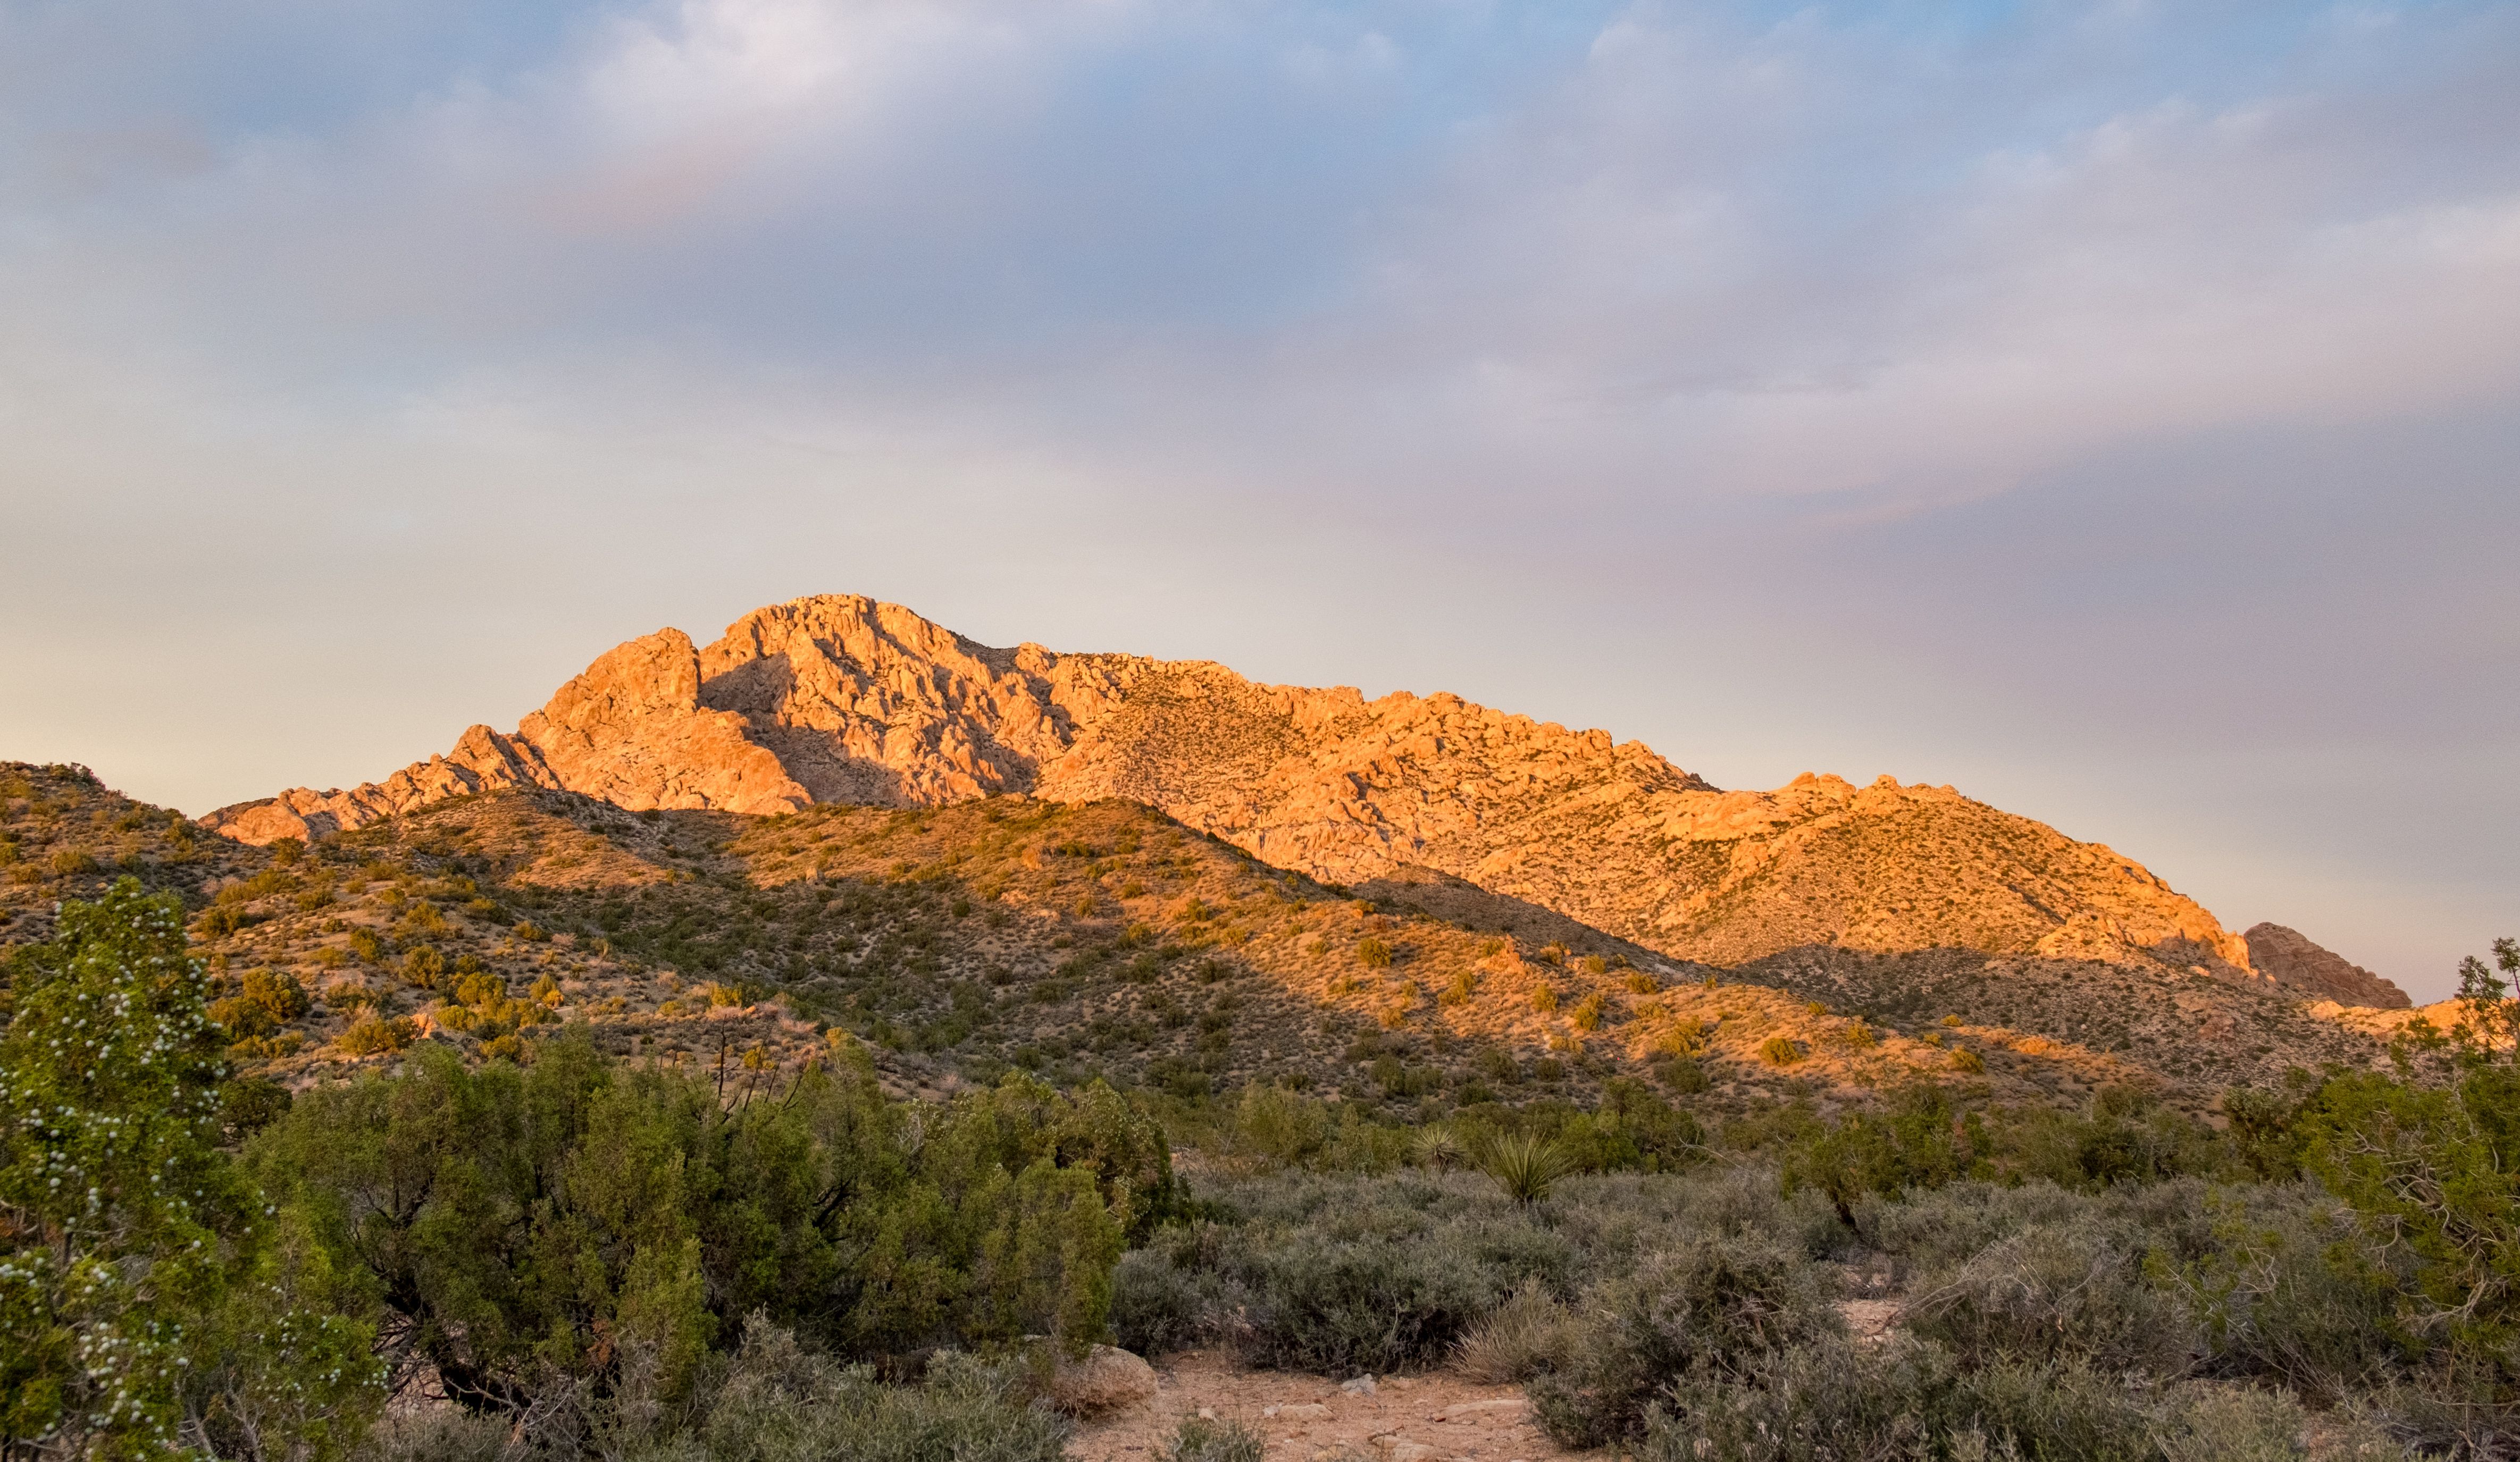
{"x": 844, "y": 700}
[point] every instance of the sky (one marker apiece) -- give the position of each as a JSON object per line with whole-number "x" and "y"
{"x": 2111, "y": 410}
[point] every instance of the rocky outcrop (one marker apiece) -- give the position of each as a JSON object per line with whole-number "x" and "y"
{"x": 2289, "y": 958}
{"x": 631, "y": 730}
{"x": 838, "y": 699}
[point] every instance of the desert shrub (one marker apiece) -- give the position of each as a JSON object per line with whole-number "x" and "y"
{"x": 1911, "y": 1400}
{"x": 1338, "y": 1306}
{"x": 373, "y": 1035}
{"x": 1939, "y": 1231}
{"x": 267, "y": 1000}
{"x": 438, "y": 1433}
{"x": 424, "y": 966}
{"x": 1633, "y": 1129}
{"x": 1781, "y": 1050}
{"x": 782, "y": 1403}
{"x": 2124, "y": 1136}
{"x": 1525, "y": 1336}
{"x": 1165, "y": 1299}
{"x": 1713, "y": 1308}
{"x": 1326, "y": 1273}
{"x": 2292, "y": 1293}
{"x": 1198, "y": 1440}
{"x": 1373, "y": 953}
{"x": 2075, "y": 1291}
{"x": 421, "y": 919}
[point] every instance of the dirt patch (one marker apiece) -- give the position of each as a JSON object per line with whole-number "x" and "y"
{"x": 1869, "y": 1320}
{"x": 1429, "y": 1418}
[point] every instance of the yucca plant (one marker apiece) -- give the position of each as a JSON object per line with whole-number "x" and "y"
{"x": 1439, "y": 1148}
{"x": 1524, "y": 1166}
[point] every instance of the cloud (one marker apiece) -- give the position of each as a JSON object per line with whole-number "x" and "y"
{"x": 1700, "y": 370}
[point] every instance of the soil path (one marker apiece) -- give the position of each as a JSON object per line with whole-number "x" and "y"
{"x": 1429, "y": 1418}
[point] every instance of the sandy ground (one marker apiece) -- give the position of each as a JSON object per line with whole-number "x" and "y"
{"x": 1429, "y": 1418}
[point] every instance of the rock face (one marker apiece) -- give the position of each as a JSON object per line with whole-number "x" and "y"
{"x": 2289, "y": 958}
{"x": 838, "y": 699}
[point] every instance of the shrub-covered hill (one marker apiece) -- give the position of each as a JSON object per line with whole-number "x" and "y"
{"x": 1072, "y": 940}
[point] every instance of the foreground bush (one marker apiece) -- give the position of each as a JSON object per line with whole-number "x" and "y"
{"x": 771, "y": 1402}
{"x": 2075, "y": 1291}
{"x": 1911, "y": 1400}
{"x": 146, "y": 1302}
{"x": 521, "y": 1228}
{"x": 1716, "y": 1310}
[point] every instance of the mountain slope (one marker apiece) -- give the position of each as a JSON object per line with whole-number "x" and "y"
{"x": 839, "y": 700}
{"x": 1073, "y": 939}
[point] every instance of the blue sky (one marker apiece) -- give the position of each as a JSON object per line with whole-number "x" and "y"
{"x": 2107, "y": 409}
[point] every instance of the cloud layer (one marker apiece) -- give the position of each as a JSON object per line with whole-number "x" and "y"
{"x": 2107, "y": 407}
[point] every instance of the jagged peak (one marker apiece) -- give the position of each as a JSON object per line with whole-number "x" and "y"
{"x": 852, "y": 699}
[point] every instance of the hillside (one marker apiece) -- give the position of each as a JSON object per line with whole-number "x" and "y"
{"x": 1076, "y": 940}
{"x": 841, "y": 700}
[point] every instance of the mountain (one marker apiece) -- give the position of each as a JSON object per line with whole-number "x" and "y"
{"x": 839, "y": 699}
{"x": 2289, "y": 958}
{"x": 1075, "y": 940}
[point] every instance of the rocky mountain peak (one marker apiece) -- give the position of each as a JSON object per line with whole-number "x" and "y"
{"x": 839, "y": 698}
{"x": 2290, "y": 959}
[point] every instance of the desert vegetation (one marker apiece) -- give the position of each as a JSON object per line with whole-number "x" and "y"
{"x": 578, "y": 1255}
{"x": 1075, "y": 942}
{"x": 526, "y": 1128}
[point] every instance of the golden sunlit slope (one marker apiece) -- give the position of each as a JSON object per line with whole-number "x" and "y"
{"x": 1074, "y": 940}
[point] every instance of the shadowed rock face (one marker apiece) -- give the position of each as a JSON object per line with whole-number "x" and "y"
{"x": 838, "y": 699}
{"x": 2289, "y": 958}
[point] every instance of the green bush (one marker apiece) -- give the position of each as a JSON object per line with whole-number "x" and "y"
{"x": 2292, "y": 1292}
{"x": 1716, "y": 1308}
{"x": 423, "y": 967}
{"x": 549, "y": 1226}
{"x": 146, "y": 1304}
{"x": 1919, "y": 1142}
{"x": 2431, "y": 1169}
